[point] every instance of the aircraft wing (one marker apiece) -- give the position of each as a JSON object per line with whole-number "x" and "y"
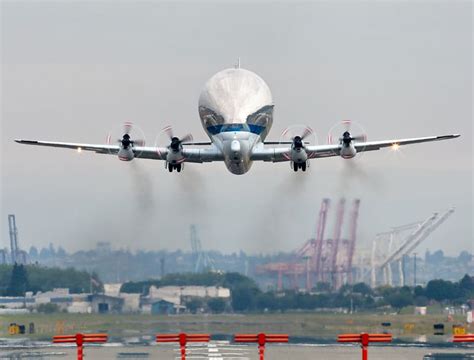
{"x": 278, "y": 154}
{"x": 196, "y": 155}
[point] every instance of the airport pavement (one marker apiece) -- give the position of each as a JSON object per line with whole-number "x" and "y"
{"x": 223, "y": 350}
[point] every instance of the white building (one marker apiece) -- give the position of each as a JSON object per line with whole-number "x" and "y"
{"x": 174, "y": 294}
{"x": 112, "y": 289}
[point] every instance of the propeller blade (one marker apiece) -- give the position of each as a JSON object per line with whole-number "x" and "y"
{"x": 168, "y": 130}
{"x": 139, "y": 142}
{"x": 127, "y": 127}
{"x": 346, "y": 125}
{"x": 283, "y": 134}
{"x": 293, "y": 132}
{"x": 306, "y": 132}
{"x": 186, "y": 138}
{"x": 360, "y": 138}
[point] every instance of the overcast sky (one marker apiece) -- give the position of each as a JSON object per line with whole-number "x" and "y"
{"x": 74, "y": 71}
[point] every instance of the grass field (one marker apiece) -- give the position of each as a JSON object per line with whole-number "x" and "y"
{"x": 303, "y": 325}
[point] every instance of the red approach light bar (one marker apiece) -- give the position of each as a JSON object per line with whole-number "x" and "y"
{"x": 79, "y": 339}
{"x": 364, "y": 339}
{"x": 182, "y": 339}
{"x": 261, "y": 339}
{"x": 463, "y": 338}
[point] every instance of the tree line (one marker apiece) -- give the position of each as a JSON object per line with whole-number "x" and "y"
{"x": 16, "y": 280}
{"x": 247, "y": 296}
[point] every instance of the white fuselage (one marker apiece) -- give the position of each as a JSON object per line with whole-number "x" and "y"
{"x": 236, "y": 111}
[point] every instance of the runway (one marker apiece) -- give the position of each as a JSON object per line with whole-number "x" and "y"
{"x": 223, "y": 350}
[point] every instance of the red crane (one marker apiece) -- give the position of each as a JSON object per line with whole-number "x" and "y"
{"x": 321, "y": 227}
{"x": 352, "y": 239}
{"x": 336, "y": 239}
{"x": 322, "y": 256}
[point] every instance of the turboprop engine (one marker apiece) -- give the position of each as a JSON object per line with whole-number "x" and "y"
{"x": 347, "y": 143}
{"x": 348, "y": 151}
{"x": 298, "y": 153}
{"x": 174, "y": 157}
{"x": 298, "y": 137}
{"x": 126, "y": 143}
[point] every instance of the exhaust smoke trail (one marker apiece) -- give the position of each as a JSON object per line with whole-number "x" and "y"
{"x": 354, "y": 174}
{"x": 142, "y": 187}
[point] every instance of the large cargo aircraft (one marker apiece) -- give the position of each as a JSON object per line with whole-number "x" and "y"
{"x": 236, "y": 111}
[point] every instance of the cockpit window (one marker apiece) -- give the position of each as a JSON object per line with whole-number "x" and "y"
{"x": 210, "y": 117}
{"x": 261, "y": 117}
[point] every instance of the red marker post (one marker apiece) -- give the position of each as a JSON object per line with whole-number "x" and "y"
{"x": 182, "y": 339}
{"x": 364, "y": 339}
{"x": 463, "y": 338}
{"x": 79, "y": 340}
{"x": 261, "y": 339}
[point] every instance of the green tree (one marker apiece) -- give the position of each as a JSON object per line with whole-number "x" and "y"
{"x": 216, "y": 305}
{"x": 21, "y": 278}
{"x": 421, "y": 300}
{"x": 18, "y": 281}
{"x": 304, "y": 301}
{"x": 244, "y": 297}
{"x": 266, "y": 301}
{"x": 400, "y": 300}
{"x": 194, "y": 305}
{"x": 419, "y": 291}
{"x": 467, "y": 284}
{"x": 323, "y": 287}
{"x": 362, "y": 288}
{"x": 440, "y": 290}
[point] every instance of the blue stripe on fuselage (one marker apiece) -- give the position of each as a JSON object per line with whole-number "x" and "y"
{"x": 217, "y": 129}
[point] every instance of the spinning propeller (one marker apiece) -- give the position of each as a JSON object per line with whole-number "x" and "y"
{"x": 298, "y": 136}
{"x": 176, "y": 142}
{"x": 126, "y": 141}
{"x": 346, "y": 128}
{"x": 174, "y": 157}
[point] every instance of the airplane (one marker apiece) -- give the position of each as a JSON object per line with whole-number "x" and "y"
{"x": 236, "y": 111}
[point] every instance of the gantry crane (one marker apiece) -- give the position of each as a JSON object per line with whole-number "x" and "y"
{"x": 420, "y": 233}
{"x": 202, "y": 261}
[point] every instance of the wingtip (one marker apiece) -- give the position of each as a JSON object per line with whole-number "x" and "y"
{"x": 450, "y": 136}
{"x": 28, "y": 142}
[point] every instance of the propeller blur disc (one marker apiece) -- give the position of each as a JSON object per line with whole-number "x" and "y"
{"x": 128, "y": 134}
{"x": 166, "y": 137}
{"x": 337, "y": 131}
{"x": 307, "y": 135}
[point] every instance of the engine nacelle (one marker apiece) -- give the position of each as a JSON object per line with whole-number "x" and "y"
{"x": 348, "y": 151}
{"x": 298, "y": 155}
{"x": 174, "y": 157}
{"x": 126, "y": 154}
